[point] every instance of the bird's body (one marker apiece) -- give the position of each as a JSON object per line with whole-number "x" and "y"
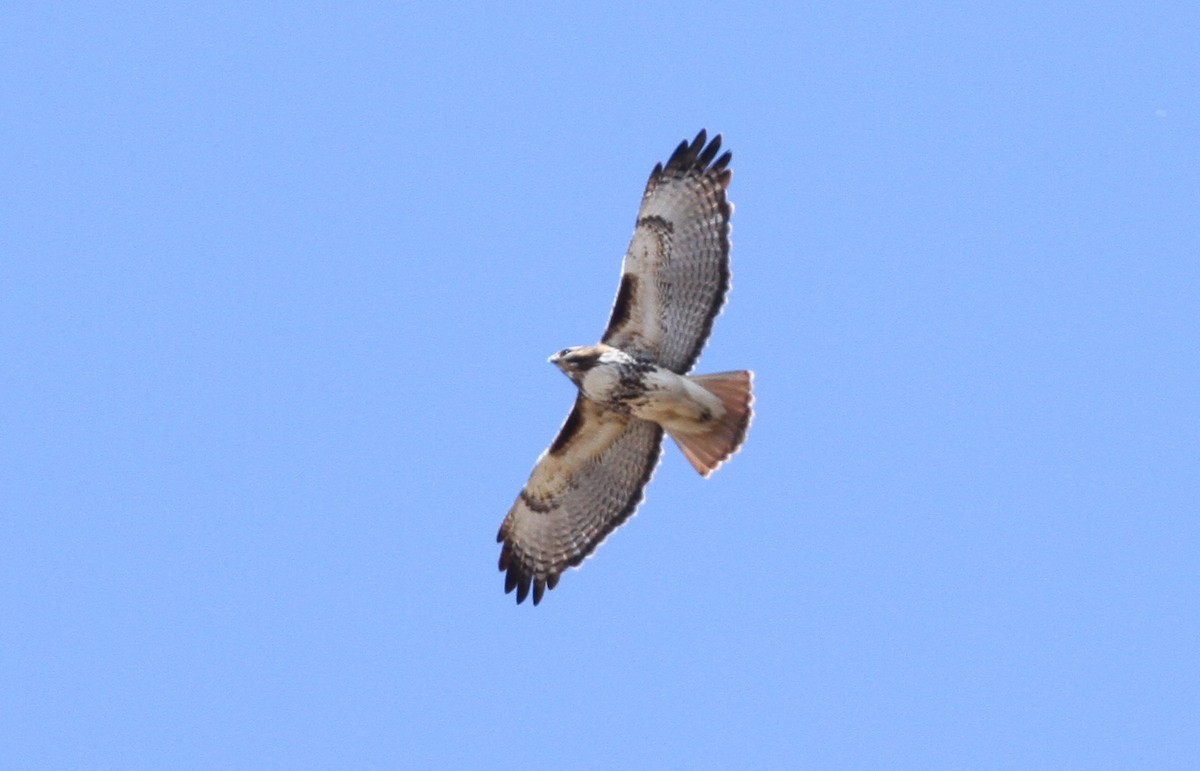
{"x": 623, "y": 383}
{"x": 684, "y": 408}
{"x": 634, "y": 384}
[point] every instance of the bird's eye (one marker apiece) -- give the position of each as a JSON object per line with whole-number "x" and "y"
{"x": 563, "y": 353}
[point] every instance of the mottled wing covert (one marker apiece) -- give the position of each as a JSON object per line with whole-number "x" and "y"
{"x": 676, "y": 270}
{"x": 582, "y": 488}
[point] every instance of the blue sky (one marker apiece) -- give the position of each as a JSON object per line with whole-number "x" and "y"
{"x": 278, "y": 286}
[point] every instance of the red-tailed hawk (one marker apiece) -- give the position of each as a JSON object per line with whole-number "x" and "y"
{"x": 634, "y": 385}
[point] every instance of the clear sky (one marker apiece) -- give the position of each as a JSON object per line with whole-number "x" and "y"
{"x": 277, "y": 287}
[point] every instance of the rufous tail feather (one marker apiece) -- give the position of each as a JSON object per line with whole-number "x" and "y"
{"x": 706, "y": 450}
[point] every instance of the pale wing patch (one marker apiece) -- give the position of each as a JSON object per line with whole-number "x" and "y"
{"x": 636, "y": 321}
{"x": 551, "y": 476}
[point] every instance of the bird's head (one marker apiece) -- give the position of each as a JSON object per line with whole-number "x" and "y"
{"x": 575, "y": 362}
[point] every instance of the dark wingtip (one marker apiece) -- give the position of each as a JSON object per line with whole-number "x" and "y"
{"x": 677, "y": 158}
{"x": 697, "y": 155}
{"x": 709, "y": 152}
{"x": 654, "y": 175}
{"x": 517, "y": 579}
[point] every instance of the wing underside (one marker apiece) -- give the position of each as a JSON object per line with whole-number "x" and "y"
{"x": 676, "y": 271}
{"x": 582, "y": 488}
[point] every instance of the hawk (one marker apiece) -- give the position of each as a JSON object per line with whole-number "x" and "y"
{"x": 634, "y": 385}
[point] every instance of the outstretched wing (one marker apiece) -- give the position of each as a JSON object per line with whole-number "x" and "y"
{"x": 582, "y": 488}
{"x": 676, "y": 271}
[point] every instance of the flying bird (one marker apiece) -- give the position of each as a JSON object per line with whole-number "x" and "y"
{"x": 633, "y": 385}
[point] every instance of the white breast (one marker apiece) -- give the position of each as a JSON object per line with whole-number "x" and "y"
{"x": 600, "y": 383}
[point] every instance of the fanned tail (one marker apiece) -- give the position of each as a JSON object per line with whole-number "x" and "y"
{"x": 708, "y": 449}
